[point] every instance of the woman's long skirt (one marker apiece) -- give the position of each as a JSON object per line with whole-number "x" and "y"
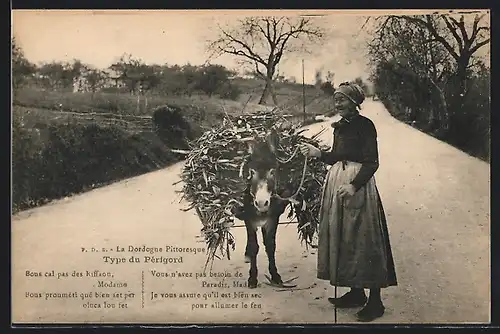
{"x": 353, "y": 239}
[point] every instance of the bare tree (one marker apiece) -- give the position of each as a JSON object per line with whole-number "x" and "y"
{"x": 262, "y": 42}
{"x": 460, "y": 39}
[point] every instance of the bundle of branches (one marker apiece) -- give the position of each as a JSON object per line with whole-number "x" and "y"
{"x": 214, "y": 176}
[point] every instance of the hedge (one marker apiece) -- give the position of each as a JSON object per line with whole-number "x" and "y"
{"x": 72, "y": 158}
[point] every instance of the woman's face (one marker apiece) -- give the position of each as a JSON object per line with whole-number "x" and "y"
{"x": 344, "y": 106}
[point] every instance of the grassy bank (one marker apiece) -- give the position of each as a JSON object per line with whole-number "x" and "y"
{"x": 66, "y": 143}
{"x": 71, "y": 158}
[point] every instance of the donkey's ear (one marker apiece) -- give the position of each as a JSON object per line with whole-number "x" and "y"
{"x": 250, "y": 146}
{"x": 273, "y": 139}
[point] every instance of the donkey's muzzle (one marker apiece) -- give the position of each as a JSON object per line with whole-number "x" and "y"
{"x": 262, "y": 205}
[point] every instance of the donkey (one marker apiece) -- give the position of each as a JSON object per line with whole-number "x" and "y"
{"x": 261, "y": 208}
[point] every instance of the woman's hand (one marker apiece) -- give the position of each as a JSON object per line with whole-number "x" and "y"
{"x": 346, "y": 190}
{"x": 309, "y": 150}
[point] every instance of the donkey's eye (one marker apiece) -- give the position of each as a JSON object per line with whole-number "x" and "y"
{"x": 252, "y": 174}
{"x": 271, "y": 173}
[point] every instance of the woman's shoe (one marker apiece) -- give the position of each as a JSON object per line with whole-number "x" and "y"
{"x": 370, "y": 312}
{"x": 349, "y": 300}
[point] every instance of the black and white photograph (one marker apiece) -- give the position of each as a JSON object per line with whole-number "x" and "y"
{"x": 250, "y": 167}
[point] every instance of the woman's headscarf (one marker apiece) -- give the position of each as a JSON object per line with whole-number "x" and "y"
{"x": 353, "y": 92}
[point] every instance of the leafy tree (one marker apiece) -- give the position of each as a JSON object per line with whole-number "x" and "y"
{"x": 52, "y": 74}
{"x": 137, "y": 76}
{"x": 95, "y": 78}
{"x": 425, "y": 70}
{"x": 21, "y": 67}
{"x": 438, "y": 48}
{"x": 212, "y": 78}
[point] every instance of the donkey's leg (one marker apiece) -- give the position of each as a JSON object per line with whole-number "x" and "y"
{"x": 251, "y": 251}
{"x": 269, "y": 236}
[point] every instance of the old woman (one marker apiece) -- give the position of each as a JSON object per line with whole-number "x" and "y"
{"x": 353, "y": 246}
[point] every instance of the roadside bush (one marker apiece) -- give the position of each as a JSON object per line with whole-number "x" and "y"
{"x": 78, "y": 157}
{"x": 327, "y": 88}
{"x": 471, "y": 125}
{"x": 230, "y": 92}
{"x": 171, "y": 126}
{"x": 26, "y": 163}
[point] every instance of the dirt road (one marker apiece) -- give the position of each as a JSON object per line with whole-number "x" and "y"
{"x": 436, "y": 199}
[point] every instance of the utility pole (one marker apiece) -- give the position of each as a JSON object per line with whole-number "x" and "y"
{"x": 303, "y": 91}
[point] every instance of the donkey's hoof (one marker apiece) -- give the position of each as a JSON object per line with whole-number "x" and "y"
{"x": 275, "y": 279}
{"x": 247, "y": 259}
{"x": 252, "y": 283}
{"x": 277, "y": 282}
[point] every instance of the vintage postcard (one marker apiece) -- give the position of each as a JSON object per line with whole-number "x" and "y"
{"x": 250, "y": 167}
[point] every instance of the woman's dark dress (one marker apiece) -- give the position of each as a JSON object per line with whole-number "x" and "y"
{"x": 353, "y": 231}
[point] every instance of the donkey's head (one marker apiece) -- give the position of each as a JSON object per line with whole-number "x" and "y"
{"x": 262, "y": 166}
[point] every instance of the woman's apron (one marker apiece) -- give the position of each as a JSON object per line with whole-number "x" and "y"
{"x": 353, "y": 234}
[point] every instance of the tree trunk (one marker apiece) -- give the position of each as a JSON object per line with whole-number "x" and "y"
{"x": 459, "y": 83}
{"x": 268, "y": 89}
{"x": 266, "y": 92}
{"x": 442, "y": 117}
{"x": 273, "y": 94}
{"x": 444, "y": 114}
{"x": 138, "y": 103}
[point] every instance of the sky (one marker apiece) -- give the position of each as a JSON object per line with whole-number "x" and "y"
{"x": 179, "y": 37}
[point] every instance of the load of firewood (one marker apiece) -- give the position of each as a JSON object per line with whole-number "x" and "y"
{"x": 214, "y": 176}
